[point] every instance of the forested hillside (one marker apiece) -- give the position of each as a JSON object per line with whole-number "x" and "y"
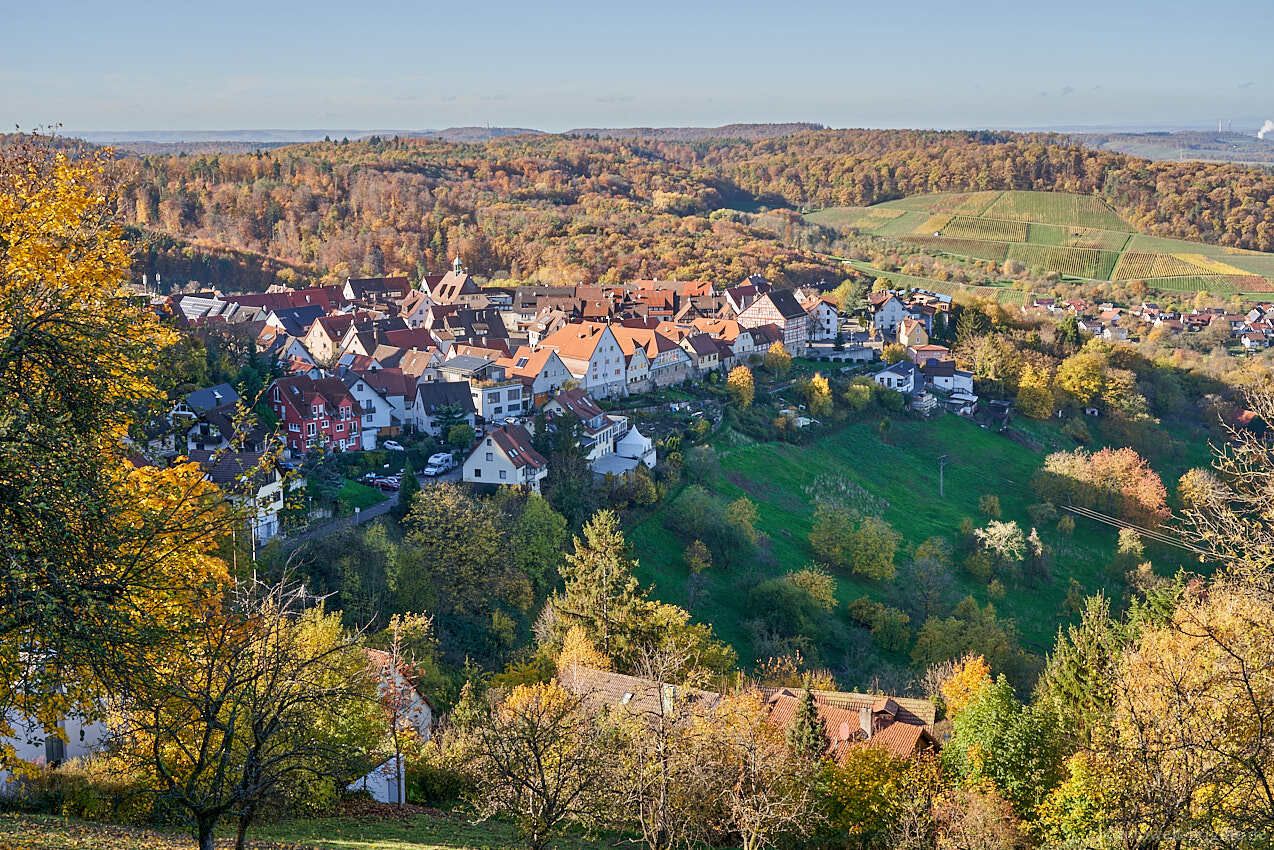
{"x": 575, "y": 208}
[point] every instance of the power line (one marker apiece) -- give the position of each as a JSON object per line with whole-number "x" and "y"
{"x": 1157, "y": 536}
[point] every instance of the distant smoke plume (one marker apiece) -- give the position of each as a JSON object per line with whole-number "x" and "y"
{"x": 1266, "y": 128}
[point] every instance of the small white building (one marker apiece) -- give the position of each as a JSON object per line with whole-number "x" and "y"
{"x": 505, "y": 456}
{"x": 902, "y": 377}
{"x": 638, "y": 446}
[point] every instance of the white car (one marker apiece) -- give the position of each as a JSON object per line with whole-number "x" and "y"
{"x": 392, "y": 446}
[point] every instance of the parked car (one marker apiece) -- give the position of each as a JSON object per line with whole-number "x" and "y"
{"x": 392, "y": 446}
{"x": 388, "y": 482}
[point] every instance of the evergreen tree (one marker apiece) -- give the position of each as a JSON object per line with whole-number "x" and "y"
{"x": 599, "y": 590}
{"x": 407, "y": 490}
{"x": 805, "y": 734}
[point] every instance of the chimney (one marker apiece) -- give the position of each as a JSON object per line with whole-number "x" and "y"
{"x": 865, "y": 720}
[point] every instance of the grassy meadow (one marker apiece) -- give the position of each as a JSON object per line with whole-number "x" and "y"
{"x": 901, "y": 469}
{"x": 432, "y": 831}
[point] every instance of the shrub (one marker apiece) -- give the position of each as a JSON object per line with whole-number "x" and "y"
{"x": 437, "y": 777}
{"x": 889, "y": 626}
{"x": 97, "y": 788}
{"x": 989, "y": 505}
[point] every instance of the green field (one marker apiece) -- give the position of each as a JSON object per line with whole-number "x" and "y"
{"x": 904, "y": 472}
{"x": 419, "y": 832}
{"x": 1076, "y": 236}
{"x": 355, "y": 494}
{"x": 1003, "y": 294}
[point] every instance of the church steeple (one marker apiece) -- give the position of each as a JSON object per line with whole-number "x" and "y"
{"x": 457, "y": 266}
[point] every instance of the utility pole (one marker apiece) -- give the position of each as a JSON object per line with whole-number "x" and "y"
{"x": 942, "y": 466}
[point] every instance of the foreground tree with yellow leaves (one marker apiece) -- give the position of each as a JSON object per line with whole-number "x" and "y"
{"x": 265, "y": 700}
{"x": 101, "y": 557}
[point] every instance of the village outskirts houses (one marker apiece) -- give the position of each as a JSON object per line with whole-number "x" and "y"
{"x": 441, "y": 404}
{"x": 314, "y": 412}
{"x": 540, "y": 370}
{"x": 599, "y": 431}
{"x": 780, "y": 307}
{"x": 887, "y": 312}
{"x": 594, "y": 357}
{"x": 504, "y": 456}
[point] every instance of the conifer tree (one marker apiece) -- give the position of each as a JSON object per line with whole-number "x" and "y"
{"x": 599, "y": 590}
{"x": 805, "y": 735}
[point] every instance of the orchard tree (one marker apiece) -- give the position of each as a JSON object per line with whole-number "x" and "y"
{"x": 777, "y": 361}
{"x": 263, "y": 697}
{"x": 543, "y": 761}
{"x": 104, "y": 558}
{"x": 741, "y": 386}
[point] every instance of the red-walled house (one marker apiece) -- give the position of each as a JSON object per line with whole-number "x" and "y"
{"x": 316, "y": 412}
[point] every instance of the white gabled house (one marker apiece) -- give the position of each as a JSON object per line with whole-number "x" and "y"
{"x": 505, "y": 456}
{"x": 593, "y": 355}
{"x": 439, "y": 402}
{"x": 902, "y": 377}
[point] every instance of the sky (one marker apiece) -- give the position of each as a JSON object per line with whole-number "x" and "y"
{"x": 129, "y": 65}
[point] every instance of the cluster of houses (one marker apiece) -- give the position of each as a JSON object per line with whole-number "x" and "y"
{"x": 1253, "y": 330}
{"x": 365, "y": 362}
{"x": 378, "y": 357}
{"x": 902, "y": 726}
{"x": 927, "y": 375}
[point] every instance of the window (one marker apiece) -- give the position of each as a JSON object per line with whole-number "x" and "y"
{"x": 294, "y": 426}
{"x": 309, "y": 429}
{"x": 477, "y": 472}
{"x": 368, "y": 418}
{"x": 340, "y": 428}
{"x": 503, "y": 474}
{"x": 490, "y": 457}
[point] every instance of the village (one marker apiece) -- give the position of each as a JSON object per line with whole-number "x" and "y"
{"x": 377, "y": 361}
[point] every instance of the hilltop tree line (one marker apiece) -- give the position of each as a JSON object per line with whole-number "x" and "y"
{"x": 570, "y": 209}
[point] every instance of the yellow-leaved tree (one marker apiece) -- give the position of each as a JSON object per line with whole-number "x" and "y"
{"x": 101, "y": 554}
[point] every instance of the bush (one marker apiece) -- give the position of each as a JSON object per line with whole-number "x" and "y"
{"x": 436, "y": 778}
{"x": 97, "y": 788}
{"x": 889, "y": 626}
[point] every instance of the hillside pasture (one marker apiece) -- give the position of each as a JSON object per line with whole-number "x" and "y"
{"x": 859, "y": 218}
{"x": 903, "y": 472}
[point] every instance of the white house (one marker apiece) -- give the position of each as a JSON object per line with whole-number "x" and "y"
{"x": 598, "y": 431}
{"x": 378, "y": 411}
{"x": 505, "y": 456}
{"x": 824, "y": 320}
{"x": 240, "y": 476}
{"x": 593, "y": 355}
{"x": 437, "y": 402}
{"x": 414, "y": 713}
{"x": 887, "y": 312}
{"x": 32, "y": 743}
{"x": 943, "y": 375}
{"x": 902, "y": 377}
{"x": 540, "y": 370}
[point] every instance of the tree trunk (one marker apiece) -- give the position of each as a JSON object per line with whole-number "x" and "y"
{"x": 241, "y": 831}
{"x": 205, "y": 826}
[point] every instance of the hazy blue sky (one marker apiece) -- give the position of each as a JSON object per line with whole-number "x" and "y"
{"x": 555, "y": 65}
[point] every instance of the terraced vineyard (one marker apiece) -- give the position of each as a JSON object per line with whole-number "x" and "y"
{"x": 1076, "y": 236}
